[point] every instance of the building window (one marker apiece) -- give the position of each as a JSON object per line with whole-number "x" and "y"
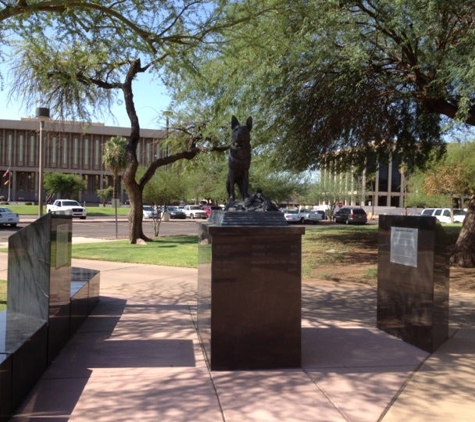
{"x": 86, "y": 153}
{"x": 139, "y": 152}
{"x": 148, "y": 147}
{"x": 21, "y": 149}
{"x": 54, "y": 151}
{"x": 31, "y": 155}
{"x": 65, "y": 152}
{"x": 9, "y": 148}
{"x": 97, "y": 153}
{"x": 75, "y": 152}
{"x": 383, "y": 177}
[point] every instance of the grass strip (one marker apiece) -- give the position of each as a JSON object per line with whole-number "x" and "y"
{"x": 92, "y": 211}
{"x": 174, "y": 251}
{"x": 3, "y": 295}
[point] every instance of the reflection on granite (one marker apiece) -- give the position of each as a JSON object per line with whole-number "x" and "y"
{"x": 82, "y": 276}
{"x": 249, "y": 295}
{"x": 46, "y": 301}
{"x": 15, "y": 329}
{"x": 29, "y": 363}
{"x": 79, "y": 304}
{"x": 39, "y": 275}
{"x": 5, "y": 386}
{"x": 413, "y": 301}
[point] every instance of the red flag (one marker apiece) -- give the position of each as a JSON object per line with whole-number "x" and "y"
{"x": 6, "y": 173}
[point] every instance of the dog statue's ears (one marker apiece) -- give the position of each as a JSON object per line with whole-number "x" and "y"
{"x": 235, "y": 122}
{"x": 249, "y": 123}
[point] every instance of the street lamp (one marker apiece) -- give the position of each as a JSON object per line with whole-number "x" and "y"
{"x": 42, "y": 114}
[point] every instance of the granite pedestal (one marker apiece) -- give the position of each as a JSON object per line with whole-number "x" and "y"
{"x": 249, "y": 291}
{"x": 413, "y": 280}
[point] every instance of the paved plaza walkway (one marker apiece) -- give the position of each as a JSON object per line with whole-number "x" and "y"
{"x": 138, "y": 357}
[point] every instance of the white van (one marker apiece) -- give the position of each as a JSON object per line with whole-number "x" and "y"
{"x": 443, "y": 214}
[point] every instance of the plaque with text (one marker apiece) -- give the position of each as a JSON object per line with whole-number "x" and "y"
{"x": 404, "y": 246}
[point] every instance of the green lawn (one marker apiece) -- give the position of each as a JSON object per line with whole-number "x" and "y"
{"x": 91, "y": 210}
{"x": 176, "y": 251}
{"x": 3, "y": 295}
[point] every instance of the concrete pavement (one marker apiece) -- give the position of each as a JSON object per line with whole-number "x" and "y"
{"x": 138, "y": 357}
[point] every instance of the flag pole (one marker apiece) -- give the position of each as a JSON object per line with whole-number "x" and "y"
{"x": 9, "y": 184}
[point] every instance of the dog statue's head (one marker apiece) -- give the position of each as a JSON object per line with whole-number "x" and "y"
{"x": 241, "y": 133}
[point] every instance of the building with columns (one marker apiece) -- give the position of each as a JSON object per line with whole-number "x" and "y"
{"x": 384, "y": 187}
{"x": 69, "y": 147}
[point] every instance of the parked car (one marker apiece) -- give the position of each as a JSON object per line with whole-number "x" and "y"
{"x": 194, "y": 211}
{"x": 292, "y": 216}
{"x": 209, "y": 208}
{"x": 7, "y": 216}
{"x": 67, "y": 206}
{"x": 443, "y": 214}
{"x": 175, "y": 212}
{"x": 150, "y": 212}
{"x": 310, "y": 216}
{"x": 428, "y": 212}
{"x": 350, "y": 215}
{"x": 322, "y": 213}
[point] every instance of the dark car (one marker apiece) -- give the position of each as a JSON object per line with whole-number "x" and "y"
{"x": 175, "y": 212}
{"x": 350, "y": 215}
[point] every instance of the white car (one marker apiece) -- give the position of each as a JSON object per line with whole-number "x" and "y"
{"x": 310, "y": 216}
{"x": 194, "y": 211}
{"x": 67, "y": 206}
{"x": 443, "y": 215}
{"x": 7, "y": 216}
{"x": 292, "y": 216}
{"x": 149, "y": 212}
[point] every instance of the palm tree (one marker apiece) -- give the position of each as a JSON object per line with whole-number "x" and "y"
{"x": 114, "y": 158}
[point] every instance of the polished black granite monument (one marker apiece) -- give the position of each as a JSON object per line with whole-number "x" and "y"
{"x": 39, "y": 259}
{"x": 413, "y": 280}
{"x": 42, "y": 307}
{"x": 249, "y": 290}
{"x": 85, "y": 284}
{"x": 5, "y": 386}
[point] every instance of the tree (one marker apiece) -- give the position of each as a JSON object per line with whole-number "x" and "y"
{"x": 65, "y": 185}
{"x": 165, "y": 187}
{"x": 89, "y": 67}
{"x": 105, "y": 194}
{"x": 356, "y": 79}
{"x": 114, "y": 159}
{"x": 443, "y": 182}
{"x": 93, "y": 18}
{"x": 416, "y": 196}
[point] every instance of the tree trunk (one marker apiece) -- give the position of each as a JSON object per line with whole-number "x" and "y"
{"x": 136, "y": 211}
{"x": 134, "y": 190}
{"x": 114, "y": 187}
{"x": 463, "y": 254}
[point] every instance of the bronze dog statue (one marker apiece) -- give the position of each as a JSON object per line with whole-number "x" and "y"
{"x": 239, "y": 159}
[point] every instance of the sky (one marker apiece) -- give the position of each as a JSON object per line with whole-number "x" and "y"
{"x": 151, "y": 101}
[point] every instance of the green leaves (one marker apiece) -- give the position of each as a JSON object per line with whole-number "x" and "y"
{"x": 353, "y": 79}
{"x": 66, "y": 185}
